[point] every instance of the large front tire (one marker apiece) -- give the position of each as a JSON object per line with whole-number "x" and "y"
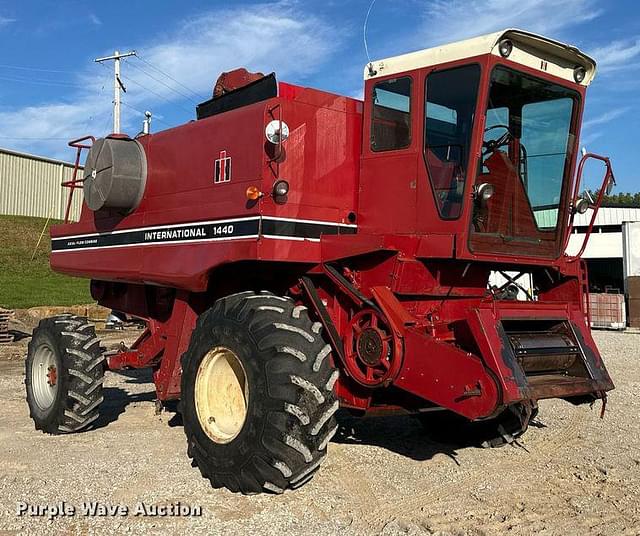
{"x": 64, "y": 375}
{"x": 257, "y": 394}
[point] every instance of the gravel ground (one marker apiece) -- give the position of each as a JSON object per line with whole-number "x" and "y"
{"x": 573, "y": 474}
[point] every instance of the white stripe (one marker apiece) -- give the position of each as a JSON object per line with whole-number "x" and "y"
{"x": 308, "y": 386}
{"x": 155, "y": 227}
{"x": 269, "y": 308}
{"x": 325, "y": 417}
{"x": 75, "y": 335}
{"x": 319, "y": 222}
{"x": 327, "y": 438}
{"x": 332, "y": 380}
{"x": 297, "y": 412}
{"x": 320, "y": 357}
{"x": 297, "y": 445}
{"x": 296, "y": 238}
{"x": 297, "y": 310}
{"x": 294, "y": 329}
{"x": 187, "y": 241}
{"x": 270, "y": 486}
{"x": 294, "y": 352}
{"x": 266, "y": 297}
{"x": 142, "y": 244}
{"x": 283, "y": 468}
{"x": 200, "y": 223}
{"x": 308, "y": 470}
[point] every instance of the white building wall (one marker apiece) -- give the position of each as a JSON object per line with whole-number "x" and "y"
{"x": 602, "y": 245}
{"x": 31, "y": 186}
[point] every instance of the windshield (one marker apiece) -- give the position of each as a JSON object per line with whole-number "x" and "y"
{"x": 528, "y": 146}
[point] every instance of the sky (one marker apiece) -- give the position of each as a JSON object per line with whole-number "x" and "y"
{"x": 51, "y": 90}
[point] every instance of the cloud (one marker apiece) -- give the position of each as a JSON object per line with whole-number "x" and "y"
{"x": 451, "y": 20}
{"x": 278, "y": 36}
{"x": 605, "y": 117}
{"x": 95, "y": 19}
{"x": 588, "y": 139}
{"x": 265, "y": 37}
{"x": 617, "y": 55}
{"x": 6, "y": 20}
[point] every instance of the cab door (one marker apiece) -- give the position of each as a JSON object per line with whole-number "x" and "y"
{"x": 387, "y": 201}
{"x": 449, "y": 154}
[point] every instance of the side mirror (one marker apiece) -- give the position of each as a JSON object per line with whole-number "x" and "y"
{"x": 610, "y": 184}
{"x": 483, "y": 192}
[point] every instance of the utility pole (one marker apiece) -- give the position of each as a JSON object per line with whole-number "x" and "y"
{"x": 117, "y": 85}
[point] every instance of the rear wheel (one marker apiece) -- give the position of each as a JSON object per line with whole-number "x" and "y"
{"x": 257, "y": 394}
{"x": 64, "y": 374}
{"x": 451, "y": 428}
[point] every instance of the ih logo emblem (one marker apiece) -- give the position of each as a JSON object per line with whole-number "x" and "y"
{"x": 222, "y": 171}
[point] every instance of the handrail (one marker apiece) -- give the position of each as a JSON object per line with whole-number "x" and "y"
{"x": 608, "y": 176}
{"x": 277, "y": 157}
{"x": 72, "y": 184}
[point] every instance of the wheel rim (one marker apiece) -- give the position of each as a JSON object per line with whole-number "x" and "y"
{"x": 44, "y": 377}
{"x": 221, "y": 395}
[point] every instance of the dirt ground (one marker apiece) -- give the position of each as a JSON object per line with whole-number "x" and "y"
{"x": 573, "y": 474}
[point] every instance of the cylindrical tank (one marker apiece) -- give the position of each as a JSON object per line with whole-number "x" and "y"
{"x": 115, "y": 174}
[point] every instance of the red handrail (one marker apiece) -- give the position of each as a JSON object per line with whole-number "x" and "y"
{"x": 72, "y": 184}
{"x": 608, "y": 176}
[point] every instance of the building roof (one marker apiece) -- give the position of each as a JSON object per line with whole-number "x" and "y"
{"x": 528, "y": 49}
{"x": 35, "y": 157}
{"x": 608, "y": 216}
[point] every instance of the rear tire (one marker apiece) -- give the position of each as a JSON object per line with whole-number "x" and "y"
{"x": 450, "y": 428}
{"x": 64, "y": 375}
{"x": 270, "y": 430}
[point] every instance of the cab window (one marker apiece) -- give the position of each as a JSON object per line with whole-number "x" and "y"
{"x": 391, "y": 117}
{"x": 450, "y": 111}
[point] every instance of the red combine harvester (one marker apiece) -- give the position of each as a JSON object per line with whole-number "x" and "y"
{"x": 294, "y": 251}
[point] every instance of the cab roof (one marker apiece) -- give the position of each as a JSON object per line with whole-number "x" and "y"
{"x": 529, "y": 49}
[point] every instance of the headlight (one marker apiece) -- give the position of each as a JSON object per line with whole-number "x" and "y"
{"x": 579, "y": 73}
{"x": 484, "y": 192}
{"x": 280, "y": 188}
{"x": 505, "y": 47}
{"x": 581, "y": 206}
{"x": 273, "y": 134}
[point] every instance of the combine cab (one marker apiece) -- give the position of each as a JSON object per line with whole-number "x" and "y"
{"x": 294, "y": 251}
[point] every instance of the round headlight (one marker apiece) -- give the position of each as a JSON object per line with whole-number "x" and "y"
{"x": 582, "y": 205}
{"x": 505, "y": 47}
{"x": 485, "y": 192}
{"x": 280, "y": 188}
{"x": 579, "y": 73}
{"x": 273, "y": 134}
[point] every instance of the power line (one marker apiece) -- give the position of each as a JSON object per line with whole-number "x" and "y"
{"x": 37, "y": 69}
{"x": 158, "y": 94}
{"x": 142, "y": 113}
{"x": 109, "y": 120}
{"x": 169, "y": 76}
{"x": 32, "y": 138}
{"x": 40, "y": 82}
{"x": 163, "y": 83}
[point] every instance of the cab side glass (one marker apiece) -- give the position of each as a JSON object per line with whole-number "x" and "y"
{"x": 391, "y": 117}
{"x": 450, "y": 111}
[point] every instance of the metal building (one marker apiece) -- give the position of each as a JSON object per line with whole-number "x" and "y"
{"x": 31, "y": 186}
{"x": 607, "y": 252}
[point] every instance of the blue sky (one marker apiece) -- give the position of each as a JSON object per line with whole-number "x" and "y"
{"x": 51, "y": 90}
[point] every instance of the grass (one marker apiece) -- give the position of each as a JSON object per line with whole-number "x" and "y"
{"x": 29, "y": 283}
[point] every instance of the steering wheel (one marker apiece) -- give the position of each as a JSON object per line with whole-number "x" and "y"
{"x": 492, "y": 145}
